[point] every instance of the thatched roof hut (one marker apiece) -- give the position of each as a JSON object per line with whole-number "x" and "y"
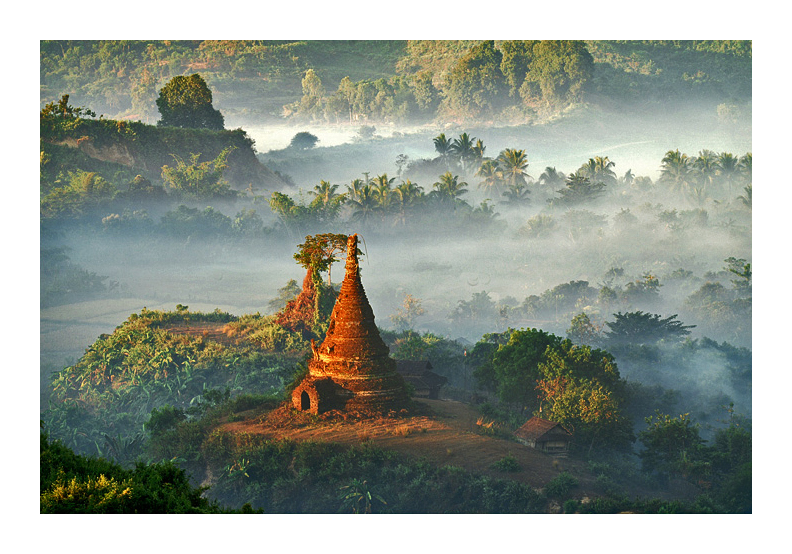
{"x": 547, "y": 436}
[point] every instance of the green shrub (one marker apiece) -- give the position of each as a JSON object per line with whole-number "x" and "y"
{"x": 164, "y": 418}
{"x": 71, "y": 483}
{"x": 507, "y": 463}
{"x": 571, "y": 506}
{"x": 560, "y": 486}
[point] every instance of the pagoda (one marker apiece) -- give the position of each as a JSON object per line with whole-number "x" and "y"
{"x": 351, "y": 370}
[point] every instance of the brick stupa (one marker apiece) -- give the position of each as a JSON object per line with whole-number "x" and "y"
{"x": 351, "y": 370}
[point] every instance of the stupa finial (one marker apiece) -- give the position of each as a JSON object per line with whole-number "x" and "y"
{"x": 352, "y": 260}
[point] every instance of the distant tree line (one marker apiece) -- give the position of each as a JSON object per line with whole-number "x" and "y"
{"x": 395, "y": 80}
{"x": 486, "y": 82}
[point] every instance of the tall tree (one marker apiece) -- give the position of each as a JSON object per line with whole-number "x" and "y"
{"x": 644, "y": 328}
{"x": 676, "y": 171}
{"x": 407, "y": 195}
{"x": 705, "y": 166}
{"x": 449, "y": 189}
{"x": 385, "y": 196}
{"x": 475, "y": 86}
{"x": 728, "y": 169}
{"x": 443, "y": 148}
{"x": 186, "y": 101}
{"x": 463, "y": 150}
{"x": 580, "y": 188}
{"x": 326, "y": 201}
{"x": 513, "y": 164}
{"x": 318, "y": 253}
{"x": 492, "y": 176}
{"x": 580, "y": 387}
{"x": 512, "y": 368}
{"x": 366, "y": 204}
{"x": 311, "y": 103}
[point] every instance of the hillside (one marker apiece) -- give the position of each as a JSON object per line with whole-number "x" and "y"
{"x": 253, "y": 80}
{"x": 136, "y": 148}
{"x": 448, "y": 432}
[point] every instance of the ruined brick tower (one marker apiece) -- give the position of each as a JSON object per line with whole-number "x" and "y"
{"x": 351, "y": 370}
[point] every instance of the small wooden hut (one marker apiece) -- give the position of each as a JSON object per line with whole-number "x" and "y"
{"x": 547, "y": 436}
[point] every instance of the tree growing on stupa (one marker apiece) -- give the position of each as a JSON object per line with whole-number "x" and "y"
{"x": 309, "y": 312}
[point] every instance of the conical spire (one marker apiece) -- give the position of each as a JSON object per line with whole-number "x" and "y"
{"x": 352, "y": 333}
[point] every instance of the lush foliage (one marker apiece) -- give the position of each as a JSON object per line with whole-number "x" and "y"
{"x": 581, "y": 388}
{"x": 186, "y": 101}
{"x": 316, "y": 477}
{"x": 101, "y": 404}
{"x": 656, "y": 70}
{"x": 199, "y": 180}
{"x": 575, "y": 385}
{"x": 674, "y": 448}
{"x": 74, "y": 484}
{"x": 643, "y": 328}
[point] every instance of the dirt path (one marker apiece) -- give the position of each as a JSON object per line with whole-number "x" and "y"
{"x": 447, "y": 436}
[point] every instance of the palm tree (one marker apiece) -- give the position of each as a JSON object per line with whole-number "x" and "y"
{"x": 462, "y": 149}
{"x": 705, "y": 166}
{"x": 383, "y": 187}
{"x": 698, "y": 196}
{"x": 552, "y": 179}
{"x": 513, "y": 164}
{"x": 517, "y": 194}
{"x": 406, "y": 196}
{"x": 448, "y": 189}
{"x": 443, "y": 147}
{"x": 746, "y": 198}
{"x": 354, "y": 188}
{"x": 478, "y": 151}
{"x": 604, "y": 169}
{"x": 744, "y": 167}
{"x": 492, "y": 175}
{"x": 727, "y": 168}
{"x": 675, "y": 170}
{"x": 599, "y": 169}
{"x": 579, "y": 188}
{"x": 326, "y": 198}
{"x": 366, "y": 205}
{"x": 483, "y": 215}
{"x": 628, "y": 178}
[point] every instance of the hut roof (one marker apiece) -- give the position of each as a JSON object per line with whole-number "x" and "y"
{"x": 536, "y": 427}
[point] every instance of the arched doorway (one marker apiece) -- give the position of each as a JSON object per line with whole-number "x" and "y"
{"x": 305, "y": 401}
